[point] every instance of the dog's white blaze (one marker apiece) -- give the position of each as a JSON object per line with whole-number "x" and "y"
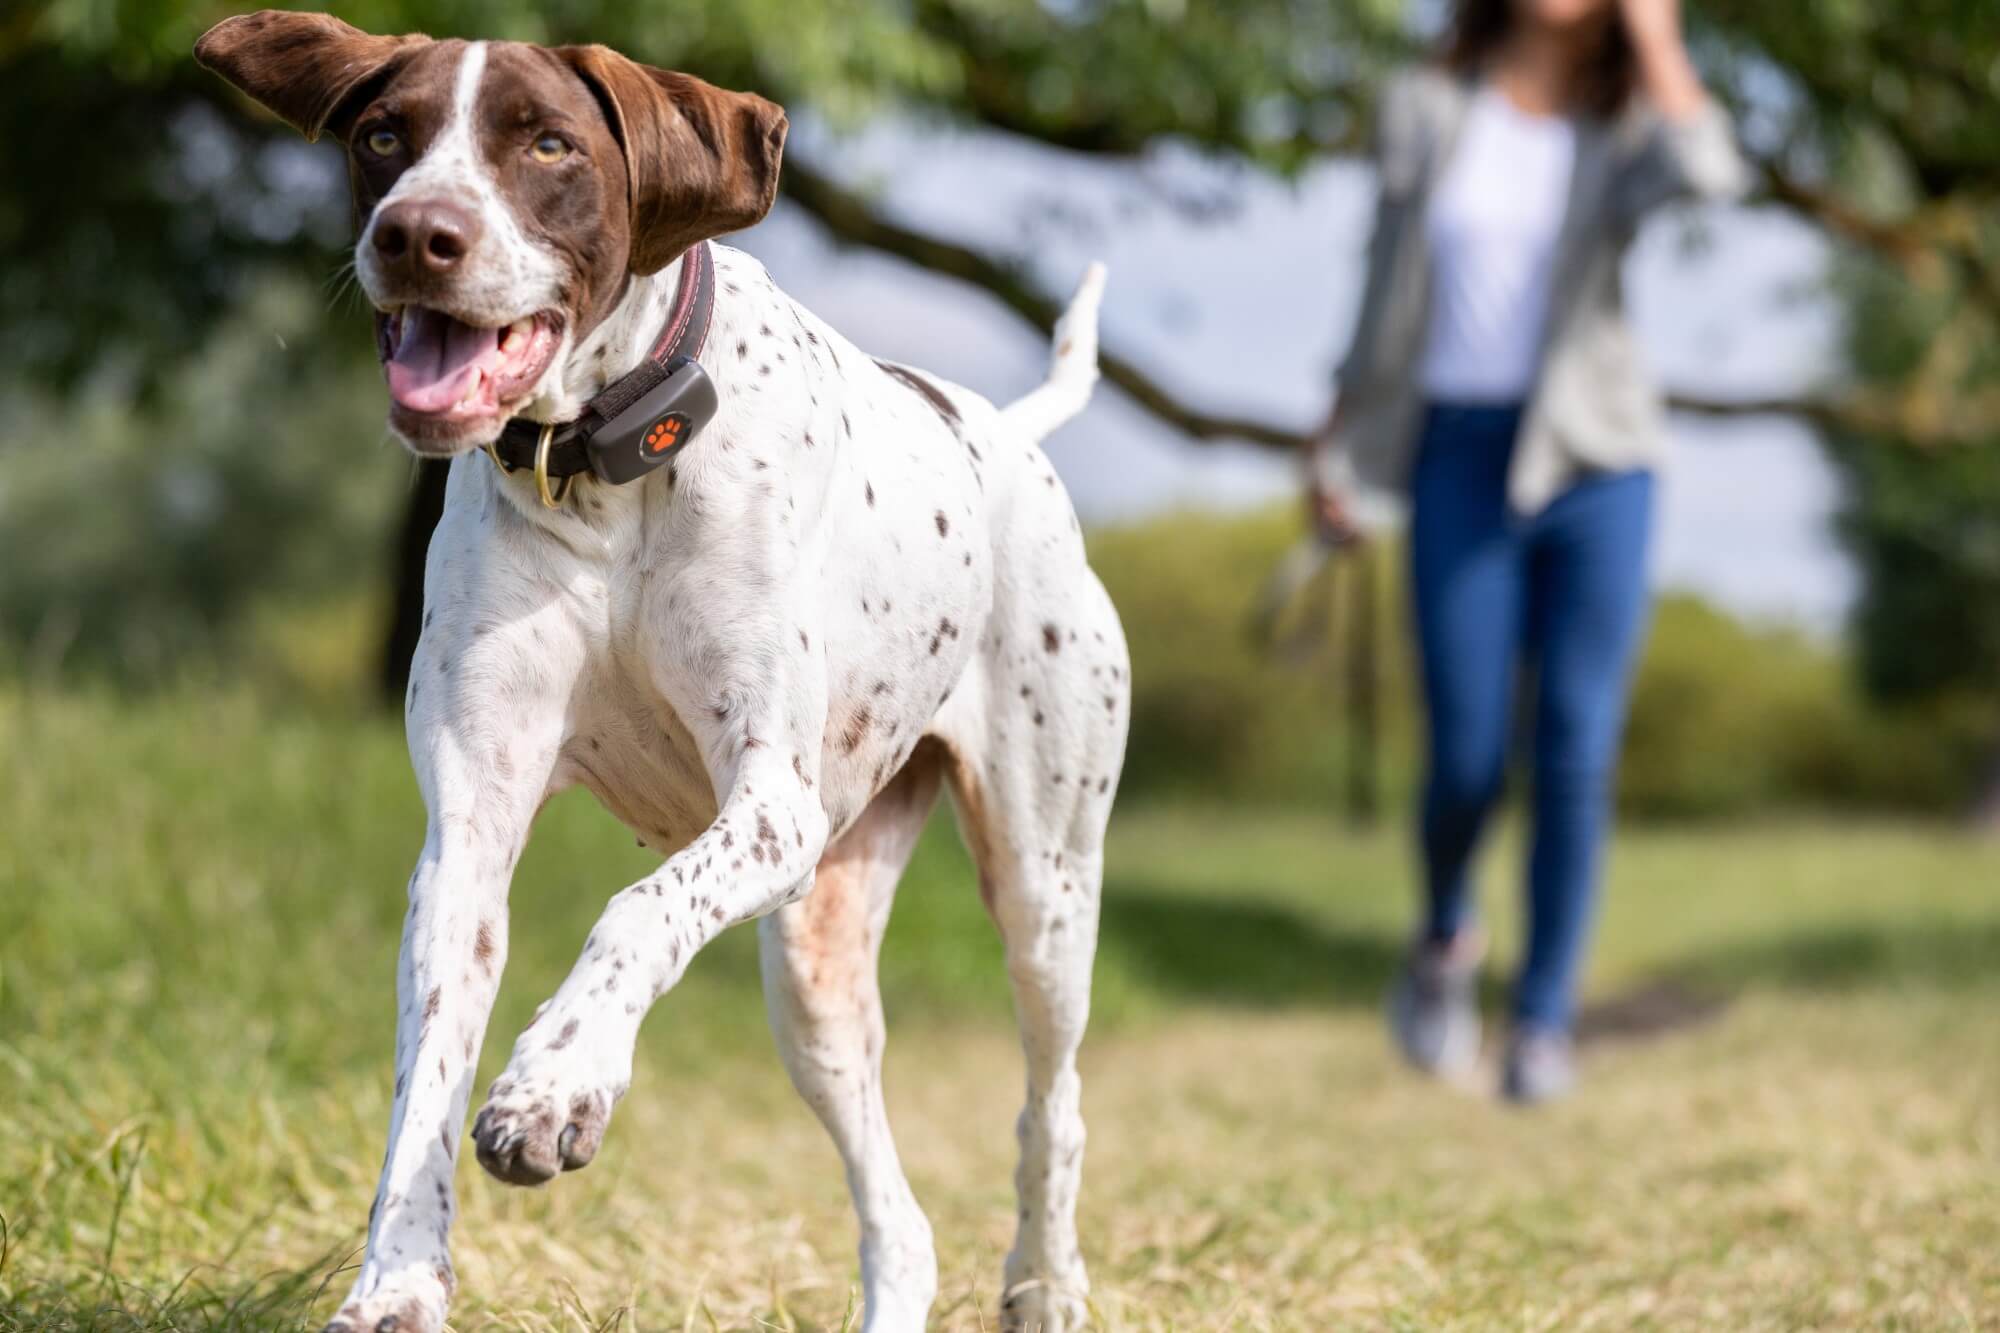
{"x": 465, "y": 92}
{"x": 509, "y": 274}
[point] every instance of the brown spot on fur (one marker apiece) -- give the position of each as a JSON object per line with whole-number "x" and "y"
{"x": 856, "y": 731}
{"x": 938, "y": 400}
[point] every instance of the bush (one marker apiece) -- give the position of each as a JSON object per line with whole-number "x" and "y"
{"x": 1714, "y": 712}
{"x": 1726, "y": 719}
{"x": 1212, "y": 714}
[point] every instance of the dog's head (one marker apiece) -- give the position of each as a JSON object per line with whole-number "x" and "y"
{"x": 504, "y": 193}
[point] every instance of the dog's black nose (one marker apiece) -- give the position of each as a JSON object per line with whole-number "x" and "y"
{"x": 419, "y": 237}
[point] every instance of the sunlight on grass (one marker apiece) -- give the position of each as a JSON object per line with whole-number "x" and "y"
{"x": 198, "y": 926}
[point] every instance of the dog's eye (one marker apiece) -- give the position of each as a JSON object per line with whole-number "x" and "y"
{"x": 549, "y": 148}
{"x": 383, "y": 142}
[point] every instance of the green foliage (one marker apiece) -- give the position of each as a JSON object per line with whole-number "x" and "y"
{"x": 1888, "y": 117}
{"x": 1914, "y": 81}
{"x": 142, "y": 544}
{"x": 1726, "y": 720}
{"x": 1926, "y": 528}
{"x": 1924, "y": 523}
{"x": 1211, "y": 713}
{"x": 1274, "y": 81}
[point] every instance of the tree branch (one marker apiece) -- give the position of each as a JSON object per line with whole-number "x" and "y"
{"x": 1898, "y": 242}
{"x": 852, "y": 220}
{"x": 1825, "y": 413}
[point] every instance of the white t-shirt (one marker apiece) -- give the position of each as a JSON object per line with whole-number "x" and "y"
{"x": 1495, "y": 219}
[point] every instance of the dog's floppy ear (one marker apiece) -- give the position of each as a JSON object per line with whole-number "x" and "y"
{"x": 304, "y": 67}
{"x": 700, "y": 160}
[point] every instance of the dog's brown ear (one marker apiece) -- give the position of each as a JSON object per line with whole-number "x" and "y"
{"x": 304, "y": 67}
{"x": 700, "y": 160}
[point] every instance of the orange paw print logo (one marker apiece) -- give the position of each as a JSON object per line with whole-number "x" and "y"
{"x": 665, "y": 434}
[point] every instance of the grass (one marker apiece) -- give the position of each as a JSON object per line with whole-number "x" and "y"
{"x": 1792, "y": 1119}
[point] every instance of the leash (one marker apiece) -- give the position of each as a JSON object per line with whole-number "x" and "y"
{"x": 641, "y": 419}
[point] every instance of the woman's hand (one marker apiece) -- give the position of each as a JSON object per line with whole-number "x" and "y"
{"x": 1327, "y": 511}
{"x": 1332, "y": 521}
{"x": 1665, "y": 71}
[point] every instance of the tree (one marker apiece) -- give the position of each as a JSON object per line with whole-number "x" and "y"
{"x": 1874, "y": 122}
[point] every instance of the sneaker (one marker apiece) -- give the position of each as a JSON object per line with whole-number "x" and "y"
{"x": 1540, "y": 1067}
{"x": 1434, "y": 1005}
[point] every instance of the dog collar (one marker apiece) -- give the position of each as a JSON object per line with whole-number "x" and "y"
{"x": 641, "y": 419}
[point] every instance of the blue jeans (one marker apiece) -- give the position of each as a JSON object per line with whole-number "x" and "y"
{"x": 1561, "y": 594}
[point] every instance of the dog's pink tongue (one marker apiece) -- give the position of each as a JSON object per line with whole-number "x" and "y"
{"x": 437, "y": 358}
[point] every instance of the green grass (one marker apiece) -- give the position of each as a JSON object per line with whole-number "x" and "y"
{"x": 199, "y": 903}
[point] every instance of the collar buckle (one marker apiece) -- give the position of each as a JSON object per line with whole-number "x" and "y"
{"x": 550, "y": 500}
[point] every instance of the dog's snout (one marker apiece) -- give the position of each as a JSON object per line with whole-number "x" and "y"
{"x": 419, "y": 237}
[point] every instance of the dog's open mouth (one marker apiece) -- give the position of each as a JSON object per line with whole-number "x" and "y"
{"x": 447, "y": 378}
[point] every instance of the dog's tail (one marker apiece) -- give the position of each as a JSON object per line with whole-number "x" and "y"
{"x": 1072, "y": 367}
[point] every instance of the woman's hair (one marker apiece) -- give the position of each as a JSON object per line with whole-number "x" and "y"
{"x": 1605, "y": 81}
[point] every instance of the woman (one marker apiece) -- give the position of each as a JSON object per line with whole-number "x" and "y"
{"x": 1494, "y": 383}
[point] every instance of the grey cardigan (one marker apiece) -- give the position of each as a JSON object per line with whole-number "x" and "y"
{"x": 1594, "y": 408}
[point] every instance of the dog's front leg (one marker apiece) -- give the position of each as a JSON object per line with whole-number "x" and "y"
{"x": 548, "y": 1109}
{"x": 484, "y": 773}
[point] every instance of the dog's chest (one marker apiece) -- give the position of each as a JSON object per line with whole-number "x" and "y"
{"x": 709, "y": 647}
{"x": 630, "y": 748}
{"x": 810, "y": 579}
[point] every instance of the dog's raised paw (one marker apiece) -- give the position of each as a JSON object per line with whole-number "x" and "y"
{"x": 527, "y": 1138}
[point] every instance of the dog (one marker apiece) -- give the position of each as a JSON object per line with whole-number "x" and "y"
{"x": 848, "y": 586}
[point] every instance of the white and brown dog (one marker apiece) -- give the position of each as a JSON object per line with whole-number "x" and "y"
{"x": 855, "y": 585}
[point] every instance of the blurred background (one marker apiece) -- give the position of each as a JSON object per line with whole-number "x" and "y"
{"x": 208, "y": 591}
{"x": 199, "y": 488}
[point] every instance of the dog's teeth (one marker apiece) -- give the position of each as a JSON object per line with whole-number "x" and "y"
{"x": 472, "y": 386}
{"x": 517, "y": 333}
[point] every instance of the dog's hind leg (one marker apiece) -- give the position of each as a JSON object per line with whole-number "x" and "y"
{"x": 1034, "y": 792}
{"x": 819, "y": 964}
